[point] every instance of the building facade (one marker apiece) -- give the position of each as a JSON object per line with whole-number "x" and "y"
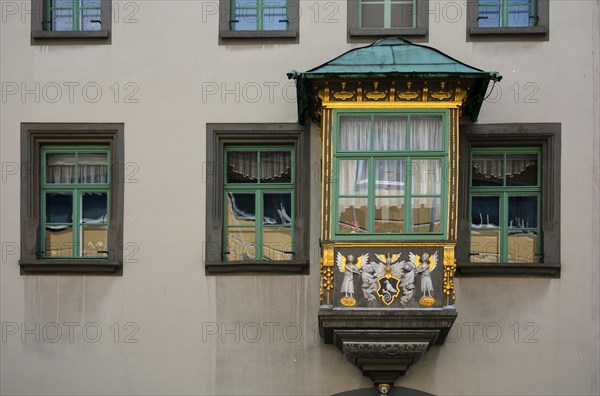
{"x": 426, "y": 174}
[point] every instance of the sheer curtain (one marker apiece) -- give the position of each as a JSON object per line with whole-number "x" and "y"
{"x": 426, "y": 133}
{"x": 493, "y": 167}
{"x": 273, "y": 164}
{"x": 60, "y": 168}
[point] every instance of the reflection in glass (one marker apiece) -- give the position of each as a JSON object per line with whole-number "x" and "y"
{"x": 353, "y": 179}
{"x": 275, "y": 15}
{"x": 354, "y": 133}
{"x": 60, "y": 168}
{"x": 390, "y": 133}
{"x": 487, "y": 170}
{"x": 485, "y": 211}
{"x": 59, "y": 207}
{"x": 489, "y": 13}
{"x": 241, "y": 244}
{"x": 426, "y": 215}
{"x": 402, "y": 15}
{"x": 277, "y": 243}
{"x": 522, "y": 212}
{"x": 389, "y": 215}
{"x": 426, "y": 177}
{"x": 241, "y": 208}
{"x": 59, "y": 241}
{"x": 521, "y": 170}
{"x": 277, "y": 208}
{"x": 485, "y": 246}
{"x": 93, "y": 241}
{"x": 522, "y": 247}
{"x": 242, "y": 167}
{"x": 372, "y": 16}
{"x": 275, "y": 167}
{"x": 93, "y": 207}
{"x": 426, "y": 133}
{"x": 352, "y": 215}
{"x": 390, "y": 177}
{"x": 92, "y": 168}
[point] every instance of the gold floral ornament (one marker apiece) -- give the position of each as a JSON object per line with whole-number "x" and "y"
{"x": 326, "y": 282}
{"x": 449, "y": 270}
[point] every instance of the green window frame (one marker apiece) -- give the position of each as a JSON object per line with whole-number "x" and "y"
{"x": 262, "y": 190}
{"x": 77, "y": 189}
{"x": 505, "y": 13}
{"x": 75, "y": 11}
{"x": 494, "y": 245}
{"x": 388, "y": 11}
{"x": 252, "y": 15}
{"x": 410, "y": 171}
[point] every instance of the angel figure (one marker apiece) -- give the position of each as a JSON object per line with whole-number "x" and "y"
{"x": 407, "y": 282}
{"x": 349, "y": 265}
{"x": 370, "y": 273}
{"x": 426, "y": 265}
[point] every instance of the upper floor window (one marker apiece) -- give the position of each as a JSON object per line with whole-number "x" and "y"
{"x": 65, "y": 21}
{"x": 498, "y": 19}
{"x": 259, "y": 19}
{"x": 390, "y": 175}
{"x": 379, "y": 18}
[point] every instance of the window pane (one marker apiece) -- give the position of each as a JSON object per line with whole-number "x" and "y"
{"x": 60, "y": 168}
{"x": 518, "y": 13}
{"x": 522, "y": 247}
{"x": 352, "y": 215}
{"x": 59, "y": 241}
{"x": 275, "y": 15}
{"x": 93, "y": 241}
{"x": 277, "y": 243}
{"x": 426, "y": 177}
{"x": 522, "y": 212}
{"x": 62, "y": 20}
{"x": 92, "y": 168}
{"x": 390, "y": 177}
{"x": 521, "y": 170}
{"x": 354, "y": 133}
{"x": 241, "y": 208}
{"x": 489, "y": 13}
{"x": 353, "y": 177}
{"x": 485, "y": 211}
{"x": 246, "y": 15}
{"x": 59, "y": 207}
{"x": 242, "y": 167}
{"x": 402, "y": 15}
{"x": 487, "y": 170}
{"x": 426, "y": 133}
{"x": 389, "y": 215}
{"x": 93, "y": 207}
{"x": 372, "y": 16}
{"x": 390, "y": 133}
{"x": 426, "y": 215}
{"x": 241, "y": 244}
{"x": 90, "y": 20}
{"x": 277, "y": 208}
{"x": 275, "y": 167}
{"x": 485, "y": 246}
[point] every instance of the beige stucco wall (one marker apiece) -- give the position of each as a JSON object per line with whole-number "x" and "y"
{"x": 198, "y": 334}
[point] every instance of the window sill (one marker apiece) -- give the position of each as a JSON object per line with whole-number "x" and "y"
{"x": 509, "y": 31}
{"x": 512, "y": 270}
{"x": 258, "y": 34}
{"x": 71, "y": 267}
{"x": 91, "y": 34}
{"x": 254, "y": 267}
{"x": 408, "y": 32}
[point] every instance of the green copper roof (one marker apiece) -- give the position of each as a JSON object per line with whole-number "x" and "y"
{"x": 394, "y": 56}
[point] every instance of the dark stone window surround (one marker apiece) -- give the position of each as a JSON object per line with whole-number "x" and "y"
{"x": 541, "y": 32}
{"x": 39, "y": 36}
{"x": 217, "y": 137}
{"x": 33, "y": 136}
{"x": 355, "y": 33}
{"x": 547, "y": 136}
{"x": 228, "y": 36}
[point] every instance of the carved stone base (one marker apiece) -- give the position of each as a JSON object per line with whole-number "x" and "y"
{"x": 385, "y": 344}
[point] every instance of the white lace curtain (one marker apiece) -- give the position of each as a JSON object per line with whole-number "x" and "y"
{"x": 489, "y": 167}
{"x": 60, "y": 168}
{"x": 273, "y": 164}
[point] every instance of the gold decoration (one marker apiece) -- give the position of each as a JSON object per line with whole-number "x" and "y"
{"x": 408, "y": 94}
{"x": 343, "y": 94}
{"x": 449, "y": 269}
{"x": 427, "y": 301}
{"x": 348, "y": 301}
{"x": 441, "y": 95}
{"x": 326, "y": 283}
{"x": 375, "y": 94}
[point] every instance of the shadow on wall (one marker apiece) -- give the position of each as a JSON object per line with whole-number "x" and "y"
{"x": 394, "y": 391}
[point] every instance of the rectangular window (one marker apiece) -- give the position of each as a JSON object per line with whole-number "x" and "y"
{"x": 390, "y": 176}
{"x": 386, "y": 18}
{"x": 505, "y": 205}
{"x": 259, "y": 203}
{"x": 72, "y": 198}
{"x": 75, "y": 190}
{"x": 73, "y": 15}
{"x": 507, "y": 13}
